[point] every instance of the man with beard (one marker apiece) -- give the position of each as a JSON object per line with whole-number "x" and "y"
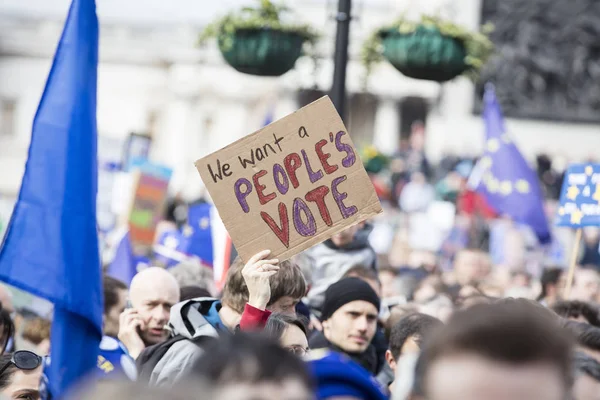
{"x": 349, "y": 321}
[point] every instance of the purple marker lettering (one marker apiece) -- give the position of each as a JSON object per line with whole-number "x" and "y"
{"x": 308, "y": 229}
{"x": 350, "y": 158}
{"x": 347, "y": 212}
{"x": 241, "y": 196}
{"x": 281, "y": 180}
{"x": 314, "y": 176}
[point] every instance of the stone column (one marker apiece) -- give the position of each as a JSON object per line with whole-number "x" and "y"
{"x": 171, "y": 145}
{"x": 387, "y": 126}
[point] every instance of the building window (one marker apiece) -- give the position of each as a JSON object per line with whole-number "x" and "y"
{"x": 7, "y": 117}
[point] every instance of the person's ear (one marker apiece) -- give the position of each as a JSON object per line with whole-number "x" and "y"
{"x": 390, "y": 360}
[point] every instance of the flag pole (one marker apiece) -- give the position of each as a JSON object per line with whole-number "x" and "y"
{"x": 572, "y": 264}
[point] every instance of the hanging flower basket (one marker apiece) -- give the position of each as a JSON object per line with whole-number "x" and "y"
{"x": 263, "y": 52}
{"x": 425, "y": 54}
{"x": 432, "y": 49}
{"x": 256, "y": 41}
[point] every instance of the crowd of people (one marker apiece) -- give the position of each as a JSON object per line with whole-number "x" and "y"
{"x": 331, "y": 324}
{"x": 386, "y": 309}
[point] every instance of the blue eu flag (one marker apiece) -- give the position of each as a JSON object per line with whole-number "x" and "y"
{"x": 123, "y": 267}
{"x": 503, "y": 176}
{"x": 198, "y": 234}
{"x": 193, "y": 240}
{"x": 51, "y": 245}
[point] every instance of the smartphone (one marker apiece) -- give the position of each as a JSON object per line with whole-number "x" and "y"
{"x": 128, "y": 306}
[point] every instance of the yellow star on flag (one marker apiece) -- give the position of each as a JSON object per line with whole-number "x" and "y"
{"x": 492, "y": 183}
{"x": 589, "y": 170}
{"x": 187, "y": 231}
{"x": 561, "y": 211}
{"x": 522, "y": 186}
{"x": 505, "y": 188}
{"x": 576, "y": 216}
{"x": 204, "y": 223}
{"x": 596, "y": 195}
{"x": 572, "y": 192}
{"x": 485, "y": 162}
{"x": 493, "y": 145}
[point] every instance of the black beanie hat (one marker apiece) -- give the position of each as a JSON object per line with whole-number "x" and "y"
{"x": 346, "y": 291}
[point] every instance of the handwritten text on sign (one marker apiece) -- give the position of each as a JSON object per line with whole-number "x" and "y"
{"x": 290, "y": 185}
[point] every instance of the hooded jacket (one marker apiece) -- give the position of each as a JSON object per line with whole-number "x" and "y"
{"x": 330, "y": 263}
{"x": 193, "y": 324}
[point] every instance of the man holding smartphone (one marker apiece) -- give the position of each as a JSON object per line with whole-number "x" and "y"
{"x": 152, "y": 293}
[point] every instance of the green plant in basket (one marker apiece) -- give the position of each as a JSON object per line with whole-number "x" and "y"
{"x": 262, "y": 40}
{"x": 432, "y": 48}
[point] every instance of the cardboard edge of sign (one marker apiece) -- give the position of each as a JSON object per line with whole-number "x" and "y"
{"x": 372, "y": 210}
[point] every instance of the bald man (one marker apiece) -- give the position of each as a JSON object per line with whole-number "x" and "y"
{"x": 152, "y": 293}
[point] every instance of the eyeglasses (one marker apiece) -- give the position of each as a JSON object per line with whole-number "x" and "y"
{"x": 24, "y": 360}
{"x": 297, "y": 350}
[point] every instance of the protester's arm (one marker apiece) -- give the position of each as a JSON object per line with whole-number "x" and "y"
{"x": 257, "y": 273}
{"x": 254, "y": 318}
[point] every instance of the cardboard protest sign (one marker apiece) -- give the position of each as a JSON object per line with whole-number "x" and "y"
{"x": 580, "y": 197}
{"x": 290, "y": 185}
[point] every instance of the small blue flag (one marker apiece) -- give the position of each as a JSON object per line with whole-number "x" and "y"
{"x": 193, "y": 240}
{"x": 197, "y": 234}
{"x": 167, "y": 250}
{"x": 51, "y": 245}
{"x": 580, "y": 197}
{"x": 123, "y": 266}
{"x": 503, "y": 176}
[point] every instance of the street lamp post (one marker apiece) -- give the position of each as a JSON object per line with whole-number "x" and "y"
{"x": 340, "y": 60}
